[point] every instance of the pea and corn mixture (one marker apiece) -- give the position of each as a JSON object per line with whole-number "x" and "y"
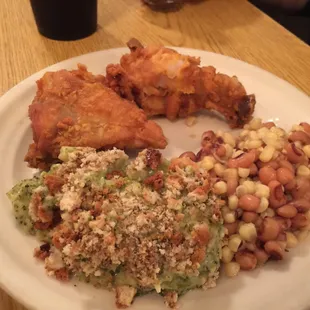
{"x": 264, "y": 177}
{"x": 131, "y": 226}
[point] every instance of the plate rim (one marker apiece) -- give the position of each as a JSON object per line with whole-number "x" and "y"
{"x": 5, "y": 103}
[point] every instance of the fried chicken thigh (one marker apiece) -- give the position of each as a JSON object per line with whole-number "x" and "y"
{"x": 163, "y": 82}
{"x": 76, "y": 108}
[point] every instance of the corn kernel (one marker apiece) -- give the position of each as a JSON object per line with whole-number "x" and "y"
{"x": 243, "y": 172}
{"x": 230, "y": 217}
{"x": 219, "y": 169}
{"x": 255, "y": 123}
{"x": 291, "y": 240}
{"x": 254, "y": 144}
{"x": 250, "y": 186}
{"x": 229, "y": 150}
{"x": 248, "y": 232}
{"x": 237, "y": 153}
{"x": 270, "y": 138}
{"x": 191, "y": 121}
{"x": 241, "y": 145}
{"x": 266, "y": 154}
{"x": 303, "y": 171}
{"x": 229, "y": 139}
{"x": 297, "y": 128}
{"x": 241, "y": 190}
{"x": 227, "y": 254}
{"x": 244, "y": 133}
{"x": 220, "y": 188}
{"x": 253, "y": 135}
{"x": 263, "y": 206}
{"x": 207, "y": 163}
{"x": 230, "y": 173}
{"x": 262, "y": 190}
{"x": 231, "y": 269}
{"x": 302, "y": 235}
{"x": 262, "y": 132}
{"x": 306, "y": 150}
{"x": 278, "y": 131}
{"x": 234, "y": 242}
{"x": 233, "y": 202}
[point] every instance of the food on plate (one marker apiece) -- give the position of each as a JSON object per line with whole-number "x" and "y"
{"x": 132, "y": 226}
{"x": 75, "y": 108}
{"x": 163, "y": 82}
{"x": 264, "y": 177}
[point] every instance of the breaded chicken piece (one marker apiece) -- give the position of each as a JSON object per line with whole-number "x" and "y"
{"x": 75, "y": 108}
{"x": 163, "y": 82}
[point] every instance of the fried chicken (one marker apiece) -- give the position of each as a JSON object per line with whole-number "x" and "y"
{"x": 163, "y": 82}
{"x": 76, "y": 108}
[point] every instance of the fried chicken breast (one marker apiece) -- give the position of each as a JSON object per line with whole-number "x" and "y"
{"x": 163, "y": 82}
{"x": 76, "y": 108}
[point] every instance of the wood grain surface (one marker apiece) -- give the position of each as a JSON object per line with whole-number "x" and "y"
{"x": 230, "y": 27}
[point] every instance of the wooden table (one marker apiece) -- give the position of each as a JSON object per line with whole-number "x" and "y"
{"x": 230, "y": 27}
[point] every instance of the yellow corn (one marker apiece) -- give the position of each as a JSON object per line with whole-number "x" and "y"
{"x": 231, "y": 269}
{"x": 227, "y": 254}
{"x": 234, "y": 242}
{"x": 220, "y": 188}
{"x": 233, "y": 202}
{"x": 291, "y": 240}
{"x": 263, "y": 206}
{"x": 248, "y": 232}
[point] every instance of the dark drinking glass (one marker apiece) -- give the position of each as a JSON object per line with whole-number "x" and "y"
{"x": 164, "y": 5}
{"x": 65, "y": 19}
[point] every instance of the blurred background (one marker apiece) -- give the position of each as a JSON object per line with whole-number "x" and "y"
{"x": 296, "y": 19}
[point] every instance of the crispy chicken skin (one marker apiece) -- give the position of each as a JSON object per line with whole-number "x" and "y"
{"x": 163, "y": 82}
{"x": 76, "y": 108}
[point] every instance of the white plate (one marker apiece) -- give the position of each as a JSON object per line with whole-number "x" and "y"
{"x": 283, "y": 285}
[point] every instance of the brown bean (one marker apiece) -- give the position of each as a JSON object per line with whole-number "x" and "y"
{"x": 253, "y": 170}
{"x": 232, "y": 184}
{"x": 205, "y": 151}
{"x": 245, "y": 160}
{"x": 249, "y": 217}
{"x": 258, "y": 223}
{"x": 282, "y": 240}
{"x": 220, "y": 150}
{"x": 248, "y": 202}
{"x": 246, "y": 260}
{"x": 274, "y": 249}
{"x": 301, "y": 136}
{"x": 302, "y": 205}
{"x": 269, "y": 125}
{"x": 289, "y": 186}
{"x": 207, "y": 137}
{"x": 287, "y": 211}
{"x": 277, "y": 197}
{"x": 300, "y": 221}
{"x": 267, "y": 174}
{"x": 189, "y": 155}
{"x": 269, "y": 230}
{"x": 305, "y": 126}
{"x": 294, "y": 154}
{"x": 261, "y": 256}
{"x": 302, "y": 188}
{"x": 284, "y": 223}
{"x": 284, "y": 175}
{"x": 231, "y": 227}
{"x": 286, "y": 164}
{"x": 272, "y": 164}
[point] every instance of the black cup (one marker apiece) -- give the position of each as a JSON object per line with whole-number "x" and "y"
{"x": 65, "y": 19}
